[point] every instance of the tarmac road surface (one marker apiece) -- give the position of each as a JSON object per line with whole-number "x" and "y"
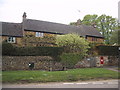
{"x": 78, "y": 84}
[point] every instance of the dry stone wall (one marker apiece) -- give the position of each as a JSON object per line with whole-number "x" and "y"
{"x": 48, "y": 63}
{"x": 22, "y": 63}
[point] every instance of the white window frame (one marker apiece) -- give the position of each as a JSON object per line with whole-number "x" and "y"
{"x": 11, "y": 40}
{"x": 39, "y": 34}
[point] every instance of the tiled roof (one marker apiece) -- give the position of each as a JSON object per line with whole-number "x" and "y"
{"x": 90, "y": 31}
{"x": 44, "y": 26}
{"x": 15, "y": 29}
{"x": 37, "y": 25}
{"x": 12, "y": 29}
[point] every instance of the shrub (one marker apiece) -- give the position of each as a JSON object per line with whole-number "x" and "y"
{"x": 70, "y": 59}
{"x": 72, "y": 43}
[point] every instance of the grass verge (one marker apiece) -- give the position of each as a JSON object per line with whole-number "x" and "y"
{"x": 58, "y": 76}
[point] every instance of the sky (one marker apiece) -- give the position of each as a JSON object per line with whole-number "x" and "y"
{"x": 59, "y": 11}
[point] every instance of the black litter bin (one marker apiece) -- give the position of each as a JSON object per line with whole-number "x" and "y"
{"x": 31, "y": 66}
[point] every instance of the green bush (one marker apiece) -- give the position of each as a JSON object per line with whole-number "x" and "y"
{"x": 70, "y": 59}
{"x": 72, "y": 43}
{"x": 108, "y": 50}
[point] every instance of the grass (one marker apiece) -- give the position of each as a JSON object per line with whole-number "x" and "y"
{"x": 57, "y": 76}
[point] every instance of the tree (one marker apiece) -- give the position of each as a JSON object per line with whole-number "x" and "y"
{"x": 74, "y": 49}
{"x": 115, "y": 37}
{"x": 90, "y": 20}
{"x": 105, "y": 24}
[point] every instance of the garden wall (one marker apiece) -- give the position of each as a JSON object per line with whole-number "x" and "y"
{"x": 48, "y": 63}
{"x": 22, "y": 63}
{"x": 95, "y": 62}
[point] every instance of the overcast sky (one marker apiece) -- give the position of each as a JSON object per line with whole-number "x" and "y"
{"x": 60, "y": 11}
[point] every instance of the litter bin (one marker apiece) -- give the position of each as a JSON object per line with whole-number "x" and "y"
{"x": 31, "y": 66}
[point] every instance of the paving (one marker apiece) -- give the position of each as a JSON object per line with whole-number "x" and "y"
{"x": 113, "y": 68}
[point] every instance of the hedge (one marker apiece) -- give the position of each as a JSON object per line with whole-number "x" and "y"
{"x": 108, "y": 50}
{"x": 9, "y": 50}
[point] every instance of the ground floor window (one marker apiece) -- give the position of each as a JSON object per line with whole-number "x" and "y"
{"x": 11, "y": 40}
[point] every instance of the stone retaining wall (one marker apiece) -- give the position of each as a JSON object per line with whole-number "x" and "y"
{"x": 22, "y": 63}
{"x": 48, "y": 63}
{"x": 95, "y": 62}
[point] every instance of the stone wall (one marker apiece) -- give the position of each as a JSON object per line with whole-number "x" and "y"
{"x": 22, "y": 63}
{"x": 108, "y": 61}
{"x": 95, "y": 62}
{"x": 48, "y": 63}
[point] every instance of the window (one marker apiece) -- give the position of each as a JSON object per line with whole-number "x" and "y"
{"x": 94, "y": 39}
{"x": 11, "y": 40}
{"x": 39, "y": 34}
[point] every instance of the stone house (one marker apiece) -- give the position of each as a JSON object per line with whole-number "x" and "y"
{"x": 15, "y": 32}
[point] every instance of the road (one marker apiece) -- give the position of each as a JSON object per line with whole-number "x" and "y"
{"x": 79, "y": 84}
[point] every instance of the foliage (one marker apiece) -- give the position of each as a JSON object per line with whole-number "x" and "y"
{"x": 90, "y": 20}
{"x": 72, "y": 43}
{"x": 58, "y": 76}
{"x": 31, "y": 51}
{"x": 105, "y": 24}
{"x": 70, "y": 59}
{"x": 92, "y": 50}
{"x": 73, "y": 23}
{"x": 7, "y": 48}
{"x": 74, "y": 48}
{"x": 115, "y": 37}
{"x": 108, "y": 50}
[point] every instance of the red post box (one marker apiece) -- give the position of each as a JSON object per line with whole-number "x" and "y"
{"x": 101, "y": 60}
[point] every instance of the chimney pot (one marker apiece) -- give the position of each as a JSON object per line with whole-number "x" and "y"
{"x": 24, "y": 15}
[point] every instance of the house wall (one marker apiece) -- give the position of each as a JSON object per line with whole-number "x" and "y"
{"x": 29, "y": 33}
{"x": 3, "y": 38}
{"x": 30, "y": 39}
{"x": 94, "y": 39}
{"x": 34, "y": 33}
{"x": 18, "y": 40}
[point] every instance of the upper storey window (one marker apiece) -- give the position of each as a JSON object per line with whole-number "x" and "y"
{"x": 39, "y": 34}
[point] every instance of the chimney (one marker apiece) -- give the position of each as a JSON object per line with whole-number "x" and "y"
{"x": 23, "y": 22}
{"x": 78, "y": 22}
{"x": 24, "y": 15}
